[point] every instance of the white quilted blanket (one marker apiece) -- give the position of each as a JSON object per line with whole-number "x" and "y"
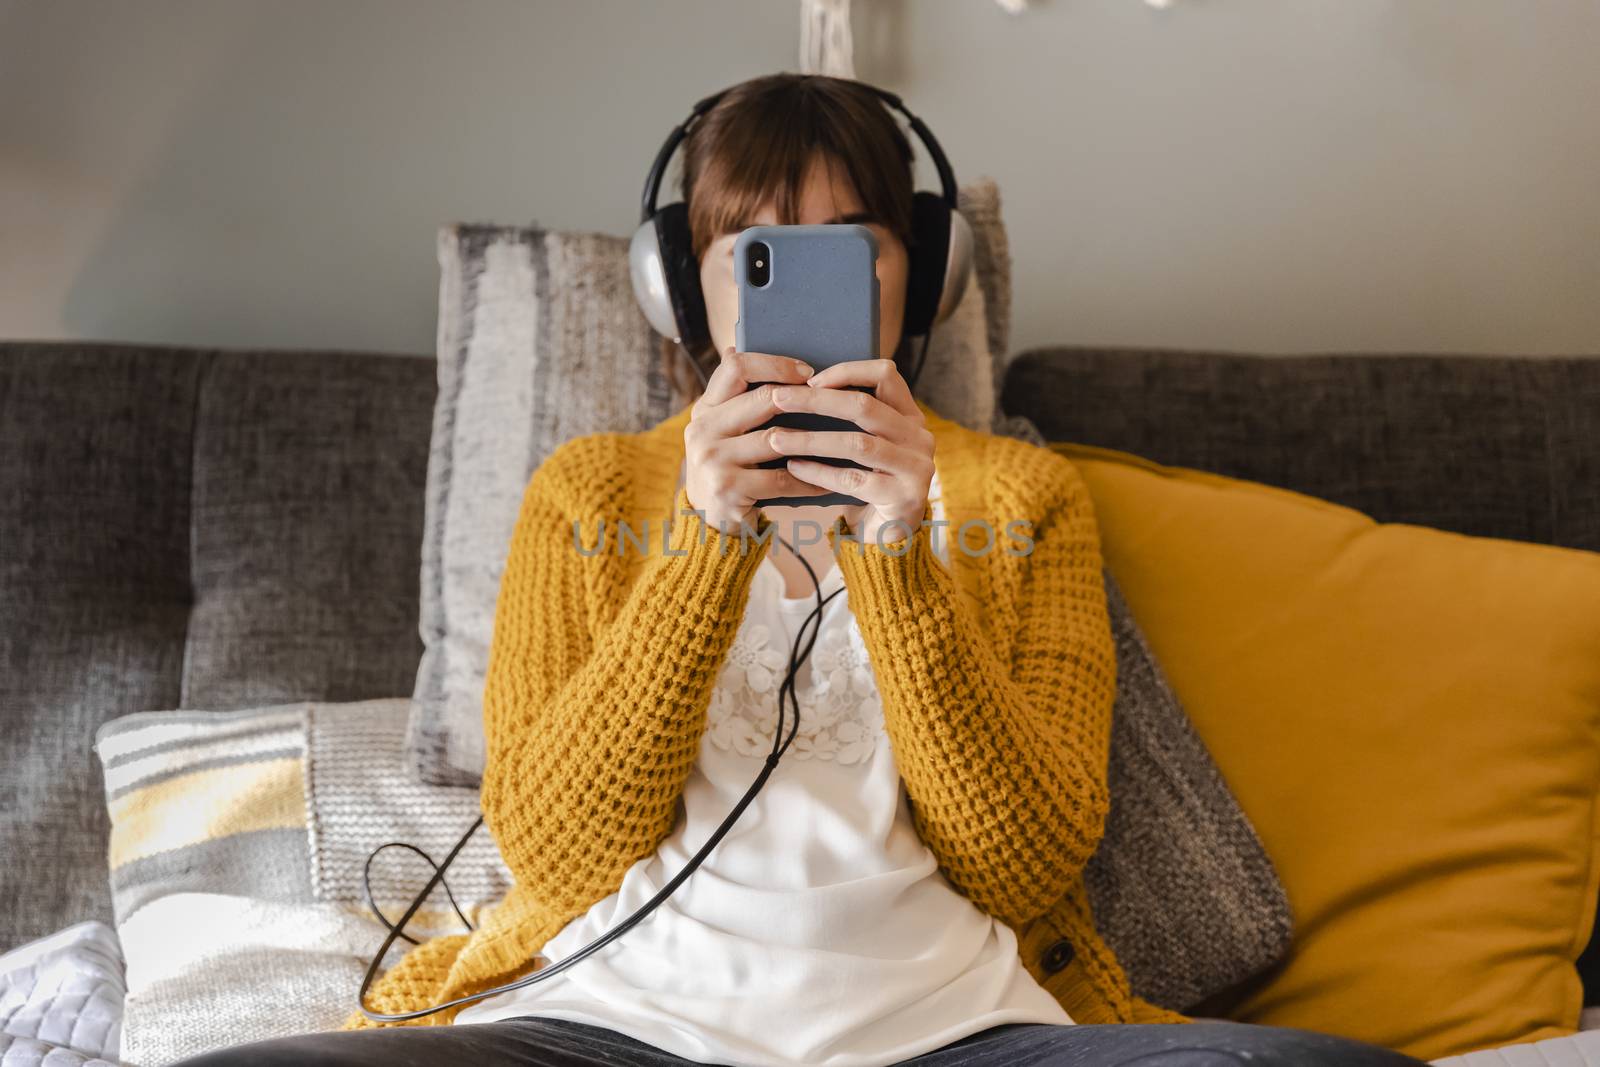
{"x": 61, "y": 999}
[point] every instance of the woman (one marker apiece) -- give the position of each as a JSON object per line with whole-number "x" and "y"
{"x": 907, "y": 887}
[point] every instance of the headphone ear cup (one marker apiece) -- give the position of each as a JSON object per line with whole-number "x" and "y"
{"x": 927, "y": 258}
{"x": 666, "y": 277}
{"x": 682, "y": 271}
{"x": 650, "y": 279}
{"x": 958, "y": 266}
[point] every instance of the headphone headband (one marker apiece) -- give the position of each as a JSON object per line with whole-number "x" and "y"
{"x": 658, "y": 169}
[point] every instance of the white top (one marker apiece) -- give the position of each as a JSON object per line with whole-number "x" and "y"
{"x": 819, "y": 930}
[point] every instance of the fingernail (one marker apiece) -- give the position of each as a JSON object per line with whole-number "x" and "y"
{"x": 804, "y": 368}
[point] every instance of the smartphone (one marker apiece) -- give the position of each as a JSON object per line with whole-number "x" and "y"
{"x": 810, "y": 292}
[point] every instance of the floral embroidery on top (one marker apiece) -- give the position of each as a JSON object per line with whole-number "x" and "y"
{"x": 751, "y": 658}
{"x": 841, "y": 718}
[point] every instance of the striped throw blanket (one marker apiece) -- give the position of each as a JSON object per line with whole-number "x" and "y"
{"x": 236, "y": 853}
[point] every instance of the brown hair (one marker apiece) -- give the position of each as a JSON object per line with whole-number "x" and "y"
{"x": 758, "y": 141}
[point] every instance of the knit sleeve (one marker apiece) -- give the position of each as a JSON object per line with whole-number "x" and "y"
{"x": 1004, "y": 755}
{"x": 593, "y": 718}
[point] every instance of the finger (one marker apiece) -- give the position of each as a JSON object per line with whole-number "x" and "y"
{"x": 745, "y": 411}
{"x": 736, "y": 370}
{"x": 876, "y": 452}
{"x": 759, "y": 483}
{"x": 863, "y": 409}
{"x": 743, "y": 450}
{"x": 881, "y": 374}
{"x": 876, "y": 488}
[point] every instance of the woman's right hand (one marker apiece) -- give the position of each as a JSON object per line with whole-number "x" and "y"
{"x": 722, "y": 446}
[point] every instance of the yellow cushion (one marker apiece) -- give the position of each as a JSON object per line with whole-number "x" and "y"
{"x": 1410, "y": 717}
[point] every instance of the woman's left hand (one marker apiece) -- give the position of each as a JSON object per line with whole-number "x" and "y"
{"x": 895, "y": 443}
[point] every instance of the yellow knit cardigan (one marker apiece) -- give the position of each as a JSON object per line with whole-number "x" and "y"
{"x": 997, "y": 677}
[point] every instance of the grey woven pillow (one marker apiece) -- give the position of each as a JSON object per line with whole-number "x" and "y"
{"x": 1182, "y": 888}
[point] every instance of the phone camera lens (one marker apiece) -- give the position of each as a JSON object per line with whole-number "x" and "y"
{"x": 759, "y": 267}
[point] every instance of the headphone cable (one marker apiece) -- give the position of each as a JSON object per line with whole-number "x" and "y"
{"x": 787, "y": 689}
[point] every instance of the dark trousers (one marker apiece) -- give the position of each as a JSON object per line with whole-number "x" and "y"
{"x": 527, "y": 1041}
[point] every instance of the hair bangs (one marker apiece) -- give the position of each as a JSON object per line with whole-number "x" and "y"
{"x": 759, "y": 140}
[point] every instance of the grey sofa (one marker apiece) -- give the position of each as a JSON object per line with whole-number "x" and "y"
{"x": 222, "y": 529}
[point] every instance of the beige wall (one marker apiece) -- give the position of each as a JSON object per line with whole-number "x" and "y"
{"x": 1289, "y": 175}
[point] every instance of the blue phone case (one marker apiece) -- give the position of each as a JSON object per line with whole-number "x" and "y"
{"x": 820, "y": 304}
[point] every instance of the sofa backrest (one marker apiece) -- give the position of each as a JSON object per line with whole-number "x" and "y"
{"x": 1485, "y": 445}
{"x": 187, "y": 528}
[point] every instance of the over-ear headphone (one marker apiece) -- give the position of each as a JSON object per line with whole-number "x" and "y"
{"x": 666, "y": 273}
